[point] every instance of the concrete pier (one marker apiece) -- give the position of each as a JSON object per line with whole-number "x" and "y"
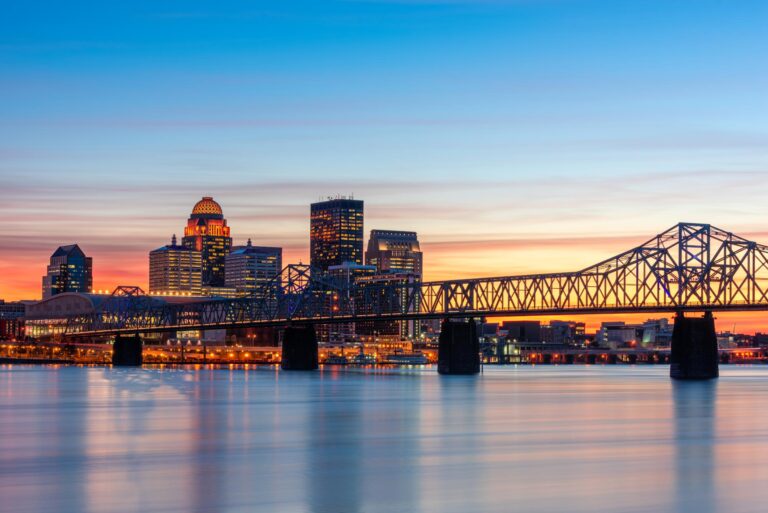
{"x": 694, "y": 348}
{"x": 459, "y": 349}
{"x": 127, "y": 351}
{"x": 299, "y": 348}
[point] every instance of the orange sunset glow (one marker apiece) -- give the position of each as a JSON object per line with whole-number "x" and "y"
{"x": 490, "y": 250}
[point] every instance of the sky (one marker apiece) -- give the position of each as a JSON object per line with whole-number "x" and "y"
{"x": 517, "y": 136}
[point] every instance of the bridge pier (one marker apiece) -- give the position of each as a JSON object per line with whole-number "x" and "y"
{"x": 299, "y": 348}
{"x": 459, "y": 348}
{"x": 127, "y": 351}
{"x": 694, "y": 352}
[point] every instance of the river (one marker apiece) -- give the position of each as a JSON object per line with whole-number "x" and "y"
{"x": 345, "y": 440}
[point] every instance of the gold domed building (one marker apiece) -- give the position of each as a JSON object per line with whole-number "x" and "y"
{"x": 207, "y": 232}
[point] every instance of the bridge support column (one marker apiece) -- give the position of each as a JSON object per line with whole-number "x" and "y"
{"x": 299, "y": 348}
{"x": 127, "y": 351}
{"x": 459, "y": 349}
{"x": 694, "y": 348}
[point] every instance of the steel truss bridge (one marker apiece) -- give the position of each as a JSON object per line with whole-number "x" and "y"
{"x": 690, "y": 267}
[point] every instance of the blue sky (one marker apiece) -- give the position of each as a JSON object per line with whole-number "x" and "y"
{"x": 488, "y": 126}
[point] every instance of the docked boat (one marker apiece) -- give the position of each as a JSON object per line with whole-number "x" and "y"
{"x": 363, "y": 359}
{"x": 336, "y": 360}
{"x": 403, "y": 358}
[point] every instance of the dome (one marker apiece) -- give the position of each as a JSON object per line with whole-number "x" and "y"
{"x": 207, "y": 206}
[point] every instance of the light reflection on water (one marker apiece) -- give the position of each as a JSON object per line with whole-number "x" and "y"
{"x": 532, "y": 439}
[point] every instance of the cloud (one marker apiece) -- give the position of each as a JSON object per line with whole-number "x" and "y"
{"x": 468, "y": 227}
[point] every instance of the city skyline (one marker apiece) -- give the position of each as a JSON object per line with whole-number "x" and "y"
{"x": 748, "y": 322}
{"x": 383, "y": 256}
{"x": 507, "y": 134}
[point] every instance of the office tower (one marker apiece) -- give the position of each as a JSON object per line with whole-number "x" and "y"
{"x": 345, "y": 276}
{"x": 394, "y": 251}
{"x": 69, "y": 271}
{"x": 207, "y": 232}
{"x": 175, "y": 269}
{"x": 249, "y": 268}
{"x": 398, "y": 292}
{"x": 398, "y": 259}
{"x": 336, "y": 233}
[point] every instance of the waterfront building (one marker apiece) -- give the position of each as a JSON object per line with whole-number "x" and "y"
{"x": 11, "y": 322}
{"x": 563, "y": 332}
{"x": 11, "y": 309}
{"x": 522, "y": 331}
{"x": 336, "y": 233}
{"x": 207, "y": 232}
{"x": 394, "y": 251}
{"x": 657, "y": 333}
{"x": 175, "y": 268}
{"x": 618, "y": 334}
{"x": 69, "y": 270}
{"x": 760, "y": 340}
{"x": 249, "y": 268}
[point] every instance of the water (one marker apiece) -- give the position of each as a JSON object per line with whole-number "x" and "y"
{"x": 530, "y": 439}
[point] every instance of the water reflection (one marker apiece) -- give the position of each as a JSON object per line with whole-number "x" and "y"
{"x": 334, "y": 435}
{"x": 580, "y": 439}
{"x": 695, "y": 461}
{"x": 362, "y": 444}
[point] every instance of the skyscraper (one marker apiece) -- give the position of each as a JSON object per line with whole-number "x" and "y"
{"x": 249, "y": 267}
{"x": 207, "y": 232}
{"x": 336, "y": 233}
{"x": 393, "y": 290}
{"x": 69, "y": 271}
{"x": 174, "y": 268}
{"x": 345, "y": 275}
{"x": 398, "y": 259}
{"x": 394, "y": 252}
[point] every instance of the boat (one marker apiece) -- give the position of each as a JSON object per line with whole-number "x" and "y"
{"x": 336, "y": 360}
{"x": 403, "y": 358}
{"x": 364, "y": 359}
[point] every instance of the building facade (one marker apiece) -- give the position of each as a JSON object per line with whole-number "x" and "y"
{"x": 564, "y": 332}
{"x": 392, "y": 291}
{"x": 345, "y": 275}
{"x": 69, "y": 270}
{"x": 249, "y": 268}
{"x": 11, "y": 323}
{"x": 335, "y": 233}
{"x": 618, "y": 334}
{"x": 175, "y": 269}
{"x": 394, "y": 252}
{"x": 522, "y": 331}
{"x": 208, "y": 233}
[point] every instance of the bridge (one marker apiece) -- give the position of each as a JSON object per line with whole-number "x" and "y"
{"x": 688, "y": 268}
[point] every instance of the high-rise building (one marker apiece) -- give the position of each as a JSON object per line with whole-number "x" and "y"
{"x": 395, "y": 290}
{"x": 336, "y": 233}
{"x": 345, "y": 275}
{"x": 249, "y": 268}
{"x": 69, "y": 271}
{"x": 394, "y": 252}
{"x": 175, "y": 269}
{"x": 207, "y": 232}
{"x": 398, "y": 259}
{"x": 349, "y": 272}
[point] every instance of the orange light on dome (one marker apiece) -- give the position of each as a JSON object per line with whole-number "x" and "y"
{"x": 207, "y": 206}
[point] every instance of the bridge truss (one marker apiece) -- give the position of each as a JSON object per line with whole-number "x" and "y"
{"x": 688, "y": 267}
